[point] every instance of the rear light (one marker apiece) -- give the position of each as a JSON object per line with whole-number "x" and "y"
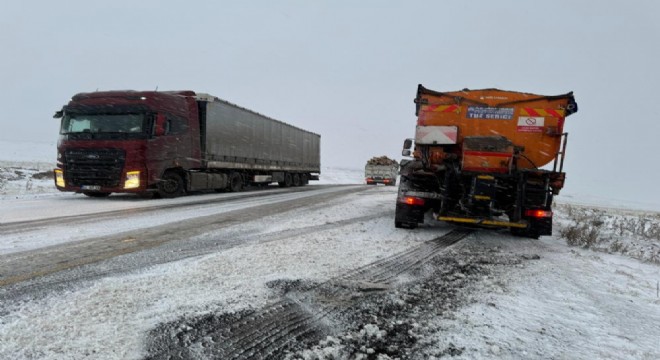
{"x": 369, "y": 179}
{"x": 412, "y": 200}
{"x": 386, "y": 181}
{"x": 538, "y": 213}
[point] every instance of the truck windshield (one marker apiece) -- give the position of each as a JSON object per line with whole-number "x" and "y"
{"x": 103, "y": 123}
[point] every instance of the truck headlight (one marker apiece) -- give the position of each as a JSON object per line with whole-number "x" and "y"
{"x": 132, "y": 180}
{"x": 59, "y": 178}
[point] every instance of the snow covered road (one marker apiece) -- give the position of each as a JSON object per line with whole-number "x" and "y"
{"x": 183, "y": 272}
{"x": 90, "y": 234}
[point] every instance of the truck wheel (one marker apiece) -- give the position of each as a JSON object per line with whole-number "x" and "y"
{"x": 288, "y": 180}
{"x": 296, "y": 180}
{"x": 235, "y": 182}
{"x": 96, "y": 194}
{"x": 171, "y": 185}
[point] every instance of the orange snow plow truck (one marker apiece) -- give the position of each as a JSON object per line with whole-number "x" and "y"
{"x": 488, "y": 158}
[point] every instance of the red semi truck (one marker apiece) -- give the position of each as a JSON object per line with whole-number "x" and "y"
{"x": 171, "y": 142}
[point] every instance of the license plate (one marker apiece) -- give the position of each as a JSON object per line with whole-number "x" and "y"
{"x": 91, "y": 187}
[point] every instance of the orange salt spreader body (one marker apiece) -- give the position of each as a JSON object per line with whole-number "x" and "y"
{"x": 479, "y": 158}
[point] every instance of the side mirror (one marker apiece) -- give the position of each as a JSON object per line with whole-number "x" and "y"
{"x": 407, "y": 144}
{"x": 159, "y": 130}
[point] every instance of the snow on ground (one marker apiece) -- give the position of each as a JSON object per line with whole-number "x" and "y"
{"x": 570, "y": 303}
{"x": 72, "y": 205}
{"x": 25, "y": 169}
{"x": 110, "y": 317}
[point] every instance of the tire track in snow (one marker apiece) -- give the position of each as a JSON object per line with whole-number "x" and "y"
{"x": 7, "y": 228}
{"x": 30, "y": 265}
{"x": 267, "y": 332}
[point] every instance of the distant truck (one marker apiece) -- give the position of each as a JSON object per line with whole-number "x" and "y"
{"x": 169, "y": 143}
{"x": 381, "y": 170}
{"x": 478, "y": 159}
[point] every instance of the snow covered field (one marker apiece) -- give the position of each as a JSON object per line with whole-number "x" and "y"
{"x": 502, "y": 297}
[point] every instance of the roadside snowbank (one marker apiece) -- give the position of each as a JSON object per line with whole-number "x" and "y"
{"x": 570, "y": 304}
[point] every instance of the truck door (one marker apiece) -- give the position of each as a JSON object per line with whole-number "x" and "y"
{"x": 170, "y": 146}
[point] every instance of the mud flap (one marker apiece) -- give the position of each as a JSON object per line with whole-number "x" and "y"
{"x": 408, "y": 216}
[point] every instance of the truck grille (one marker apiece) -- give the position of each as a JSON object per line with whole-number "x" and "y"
{"x": 94, "y": 166}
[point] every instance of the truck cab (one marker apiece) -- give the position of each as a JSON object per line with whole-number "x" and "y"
{"x": 126, "y": 141}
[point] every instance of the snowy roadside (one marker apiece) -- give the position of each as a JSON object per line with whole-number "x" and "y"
{"x": 565, "y": 302}
{"x": 518, "y": 299}
{"x": 26, "y": 169}
{"x": 634, "y": 233}
{"x": 513, "y": 298}
{"x": 102, "y": 319}
{"x": 571, "y": 303}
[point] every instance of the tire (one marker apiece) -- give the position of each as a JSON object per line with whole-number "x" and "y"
{"x": 96, "y": 194}
{"x": 296, "y": 180}
{"x": 235, "y": 182}
{"x": 171, "y": 185}
{"x": 288, "y": 180}
{"x": 304, "y": 179}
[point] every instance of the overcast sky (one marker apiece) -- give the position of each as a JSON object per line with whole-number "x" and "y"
{"x": 349, "y": 70}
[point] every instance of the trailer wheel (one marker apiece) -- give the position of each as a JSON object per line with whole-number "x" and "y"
{"x": 296, "y": 180}
{"x": 304, "y": 179}
{"x": 235, "y": 182}
{"x": 96, "y": 194}
{"x": 171, "y": 185}
{"x": 288, "y": 180}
